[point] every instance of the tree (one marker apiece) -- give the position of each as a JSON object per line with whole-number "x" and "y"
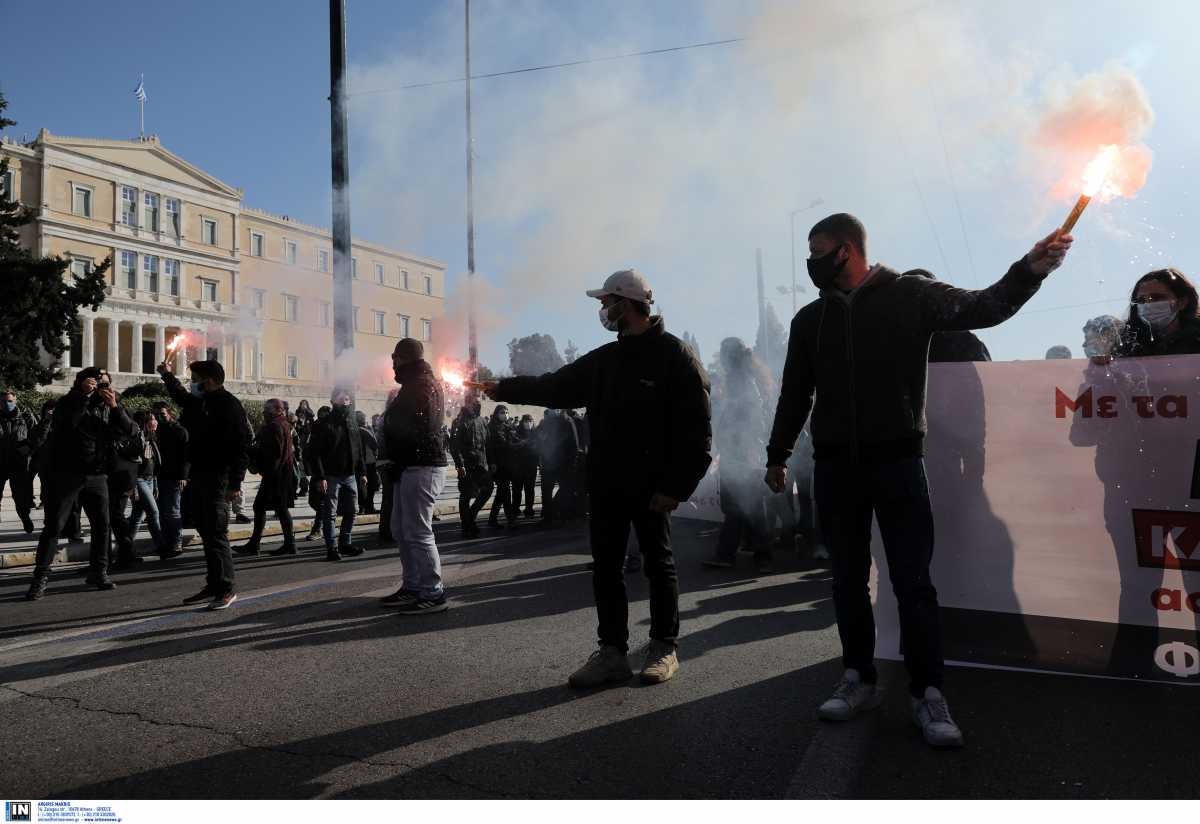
{"x": 690, "y": 340}
{"x": 41, "y": 304}
{"x": 571, "y": 352}
{"x": 483, "y": 374}
{"x": 771, "y": 342}
{"x": 533, "y": 355}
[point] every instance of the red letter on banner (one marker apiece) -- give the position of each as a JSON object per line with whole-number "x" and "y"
{"x": 1145, "y": 406}
{"x": 1172, "y": 406}
{"x": 1064, "y": 404}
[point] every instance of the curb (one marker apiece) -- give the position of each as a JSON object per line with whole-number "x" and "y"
{"x": 75, "y": 553}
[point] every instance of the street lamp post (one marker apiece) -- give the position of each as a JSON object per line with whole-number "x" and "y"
{"x": 792, "y": 219}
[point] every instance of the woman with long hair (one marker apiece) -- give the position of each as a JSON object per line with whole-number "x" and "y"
{"x": 145, "y": 501}
{"x": 1163, "y": 316}
{"x": 275, "y": 457}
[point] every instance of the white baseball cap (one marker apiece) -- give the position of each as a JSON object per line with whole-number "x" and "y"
{"x": 626, "y": 283}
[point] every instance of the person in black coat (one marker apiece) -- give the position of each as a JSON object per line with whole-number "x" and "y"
{"x": 525, "y": 466}
{"x": 500, "y": 453}
{"x": 218, "y": 443}
{"x": 274, "y": 455}
{"x": 172, "y": 477}
{"x": 370, "y": 485}
{"x": 336, "y": 458}
{"x": 16, "y": 431}
{"x": 862, "y": 350}
{"x": 650, "y": 430}
{"x": 87, "y": 422}
{"x": 469, "y": 449}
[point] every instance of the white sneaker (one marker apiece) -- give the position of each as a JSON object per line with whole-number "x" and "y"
{"x": 932, "y": 715}
{"x": 850, "y": 697}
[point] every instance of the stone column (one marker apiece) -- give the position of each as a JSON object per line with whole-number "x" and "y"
{"x": 135, "y": 349}
{"x": 239, "y": 359}
{"x": 201, "y": 345}
{"x": 258, "y": 359}
{"x": 160, "y": 343}
{"x": 88, "y": 353}
{"x": 181, "y": 357}
{"x": 114, "y": 346}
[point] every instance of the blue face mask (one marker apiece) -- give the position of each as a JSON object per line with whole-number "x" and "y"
{"x": 10, "y": 406}
{"x": 195, "y": 389}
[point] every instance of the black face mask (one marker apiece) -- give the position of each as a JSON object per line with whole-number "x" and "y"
{"x": 823, "y": 270}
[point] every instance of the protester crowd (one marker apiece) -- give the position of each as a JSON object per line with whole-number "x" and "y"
{"x": 640, "y": 451}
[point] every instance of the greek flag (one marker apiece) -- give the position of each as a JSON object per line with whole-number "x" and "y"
{"x": 140, "y": 91}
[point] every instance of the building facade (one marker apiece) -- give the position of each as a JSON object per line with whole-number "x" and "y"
{"x": 251, "y": 289}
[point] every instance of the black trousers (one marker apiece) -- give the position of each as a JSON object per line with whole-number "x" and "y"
{"x": 211, "y": 513}
{"x": 897, "y": 494}
{"x": 503, "y": 499}
{"x": 118, "y": 522}
{"x": 385, "y": 505}
{"x": 66, "y": 490}
{"x": 550, "y": 479}
{"x": 613, "y": 513}
{"x": 366, "y": 492}
{"x": 473, "y": 493}
{"x": 20, "y": 485}
{"x": 522, "y": 487}
{"x": 744, "y": 508}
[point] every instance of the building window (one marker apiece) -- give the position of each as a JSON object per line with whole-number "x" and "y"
{"x": 324, "y": 315}
{"x": 259, "y": 299}
{"x": 404, "y": 322}
{"x": 379, "y": 273}
{"x": 322, "y": 260}
{"x": 129, "y": 269}
{"x": 256, "y": 244}
{"x": 173, "y": 220}
{"x": 150, "y": 202}
{"x": 129, "y": 206}
{"x": 353, "y": 267}
{"x": 150, "y": 273}
{"x": 289, "y": 251}
{"x": 291, "y": 308}
{"x": 81, "y": 200}
{"x": 80, "y": 268}
{"x": 428, "y": 285}
{"x": 293, "y": 366}
{"x": 380, "y": 328}
{"x": 403, "y": 278}
{"x": 426, "y": 330}
{"x": 355, "y": 318}
{"x": 208, "y": 291}
{"x": 325, "y": 371}
{"x": 171, "y": 276}
{"x": 8, "y": 186}
{"x": 208, "y": 232}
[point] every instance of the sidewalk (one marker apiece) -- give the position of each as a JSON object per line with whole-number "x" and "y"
{"x": 18, "y": 549}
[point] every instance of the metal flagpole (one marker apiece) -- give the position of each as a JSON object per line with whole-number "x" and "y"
{"x": 343, "y": 322}
{"x": 472, "y": 340}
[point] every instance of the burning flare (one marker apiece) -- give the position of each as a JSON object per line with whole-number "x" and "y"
{"x": 1113, "y": 172}
{"x": 452, "y": 378}
{"x": 176, "y": 342}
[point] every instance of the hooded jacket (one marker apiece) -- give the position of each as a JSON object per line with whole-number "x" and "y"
{"x": 218, "y": 433}
{"x": 648, "y": 406}
{"x": 336, "y": 447}
{"x": 865, "y": 356}
{"x": 412, "y": 422}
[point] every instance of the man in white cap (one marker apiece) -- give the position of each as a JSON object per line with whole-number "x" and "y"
{"x": 651, "y": 436}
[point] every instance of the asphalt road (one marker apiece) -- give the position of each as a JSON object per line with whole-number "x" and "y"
{"x": 308, "y": 689}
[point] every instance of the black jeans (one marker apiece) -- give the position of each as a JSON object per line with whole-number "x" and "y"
{"x": 211, "y": 513}
{"x": 473, "y": 492}
{"x": 522, "y": 487}
{"x": 744, "y": 508}
{"x": 20, "y": 485}
{"x": 66, "y": 491}
{"x": 550, "y": 478}
{"x": 503, "y": 499}
{"x": 118, "y": 522}
{"x": 613, "y": 512}
{"x": 385, "y": 506}
{"x": 897, "y": 494}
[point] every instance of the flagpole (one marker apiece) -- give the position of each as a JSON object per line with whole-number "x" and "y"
{"x": 142, "y": 117}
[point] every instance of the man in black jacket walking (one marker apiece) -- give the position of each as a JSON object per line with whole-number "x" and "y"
{"x": 469, "y": 448}
{"x": 651, "y": 431}
{"x": 16, "y": 430}
{"x": 863, "y": 349}
{"x": 87, "y": 421}
{"x": 337, "y": 464}
{"x": 218, "y": 442}
{"x": 172, "y": 478}
{"x": 412, "y": 435}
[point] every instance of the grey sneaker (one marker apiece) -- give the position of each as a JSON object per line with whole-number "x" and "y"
{"x": 850, "y": 697}
{"x": 607, "y": 665}
{"x": 932, "y": 715}
{"x": 662, "y": 662}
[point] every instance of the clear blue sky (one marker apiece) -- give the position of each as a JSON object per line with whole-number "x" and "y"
{"x": 679, "y": 164}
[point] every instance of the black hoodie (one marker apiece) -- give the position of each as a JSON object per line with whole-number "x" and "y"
{"x": 865, "y": 355}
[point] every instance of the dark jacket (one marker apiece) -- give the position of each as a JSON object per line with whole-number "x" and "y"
{"x": 84, "y": 433}
{"x": 412, "y": 423}
{"x": 866, "y": 354}
{"x": 469, "y": 445}
{"x": 218, "y": 433}
{"x": 500, "y": 447}
{"x": 557, "y": 442}
{"x": 650, "y": 420}
{"x": 957, "y": 347}
{"x": 1139, "y": 343}
{"x": 173, "y": 447}
{"x": 41, "y": 446}
{"x": 370, "y": 445}
{"x": 335, "y": 448}
{"x": 275, "y": 455}
{"x": 525, "y": 453}
{"x": 16, "y": 429}
{"x": 151, "y": 463}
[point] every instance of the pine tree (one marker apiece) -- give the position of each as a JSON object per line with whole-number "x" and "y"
{"x": 41, "y": 304}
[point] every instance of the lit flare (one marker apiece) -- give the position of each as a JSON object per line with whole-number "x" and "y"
{"x": 1113, "y": 172}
